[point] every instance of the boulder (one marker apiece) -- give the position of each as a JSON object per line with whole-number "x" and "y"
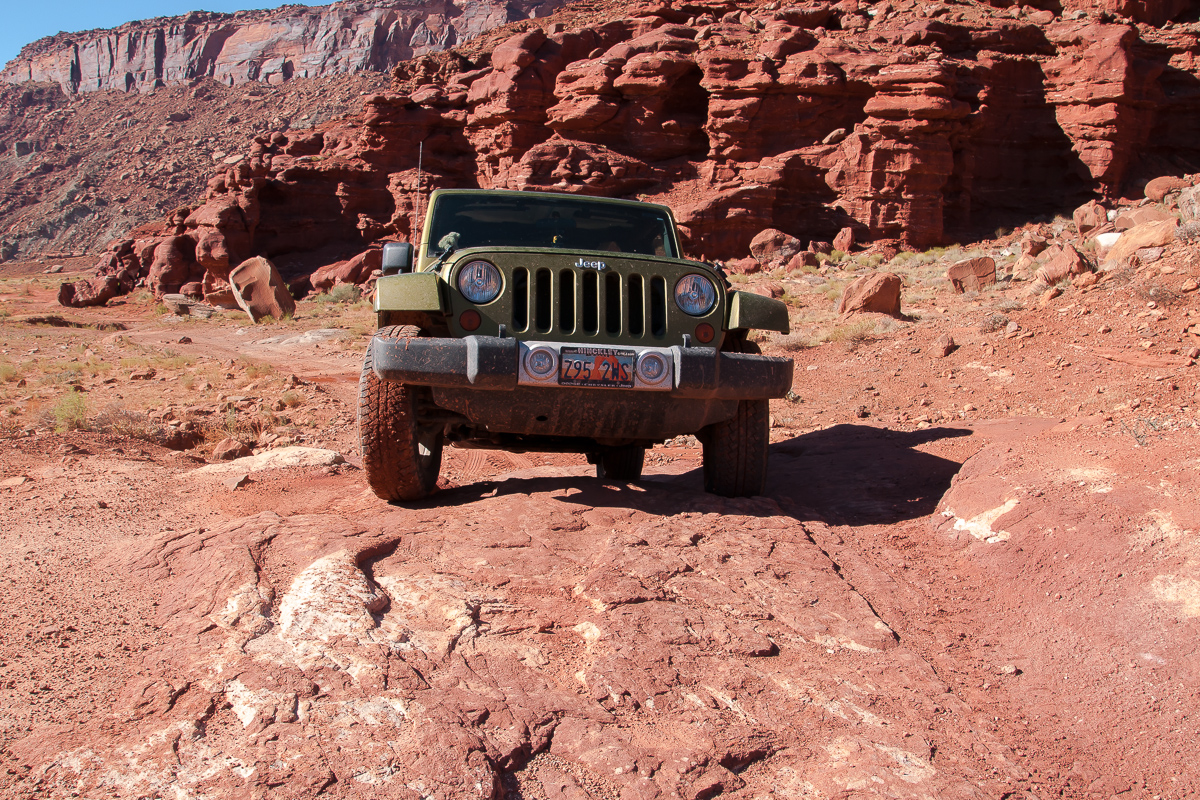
{"x": 878, "y": 292}
{"x": 773, "y": 247}
{"x": 353, "y": 271}
{"x": 1189, "y": 203}
{"x": 972, "y": 274}
{"x": 743, "y": 266}
{"x": 802, "y": 260}
{"x": 1148, "y": 255}
{"x": 1139, "y": 216}
{"x": 229, "y": 448}
{"x": 1159, "y": 188}
{"x": 1033, "y": 245}
{"x": 1022, "y": 268}
{"x": 820, "y": 247}
{"x": 260, "y": 290}
{"x": 180, "y": 304}
{"x": 942, "y": 346}
{"x": 1089, "y": 216}
{"x": 844, "y": 240}
{"x": 1062, "y": 262}
{"x": 1150, "y": 234}
{"x": 95, "y": 292}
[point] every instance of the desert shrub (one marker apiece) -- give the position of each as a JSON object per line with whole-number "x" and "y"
{"x": 793, "y": 342}
{"x": 254, "y": 371}
{"x": 342, "y": 293}
{"x": 70, "y": 412}
{"x": 855, "y": 332}
{"x": 117, "y": 420}
{"x": 992, "y": 323}
{"x": 9, "y": 373}
{"x": 1156, "y": 294}
{"x": 292, "y": 398}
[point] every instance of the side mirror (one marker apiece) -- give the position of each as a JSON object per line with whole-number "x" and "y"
{"x": 397, "y": 257}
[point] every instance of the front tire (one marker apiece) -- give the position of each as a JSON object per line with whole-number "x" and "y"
{"x": 401, "y": 457}
{"x": 735, "y": 451}
{"x": 620, "y": 463}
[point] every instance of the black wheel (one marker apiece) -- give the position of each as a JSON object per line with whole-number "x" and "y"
{"x": 620, "y": 463}
{"x": 735, "y": 451}
{"x": 401, "y": 457}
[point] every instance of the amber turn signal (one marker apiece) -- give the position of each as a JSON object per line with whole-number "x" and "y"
{"x": 469, "y": 320}
{"x": 704, "y": 333}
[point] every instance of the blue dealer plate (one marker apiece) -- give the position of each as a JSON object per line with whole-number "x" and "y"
{"x": 596, "y": 367}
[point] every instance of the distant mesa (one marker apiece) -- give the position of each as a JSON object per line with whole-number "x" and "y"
{"x": 271, "y": 46}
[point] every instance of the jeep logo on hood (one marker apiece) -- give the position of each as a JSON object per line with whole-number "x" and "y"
{"x": 599, "y": 266}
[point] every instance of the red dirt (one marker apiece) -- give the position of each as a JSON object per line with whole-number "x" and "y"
{"x": 993, "y": 603}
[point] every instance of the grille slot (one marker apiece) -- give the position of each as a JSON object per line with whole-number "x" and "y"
{"x": 590, "y": 298}
{"x": 588, "y": 302}
{"x": 658, "y": 306}
{"x": 520, "y": 284}
{"x": 612, "y": 304}
{"x": 636, "y": 289}
{"x": 567, "y": 300}
{"x": 544, "y": 301}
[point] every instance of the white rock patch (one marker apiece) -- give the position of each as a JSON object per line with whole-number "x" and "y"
{"x": 981, "y": 526}
{"x": 274, "y": 459}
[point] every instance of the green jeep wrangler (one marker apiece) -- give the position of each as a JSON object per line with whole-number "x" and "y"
{"x": 532, "y": 321}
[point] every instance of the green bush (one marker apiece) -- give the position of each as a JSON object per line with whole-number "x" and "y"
{"x": 343, "y": 293}
{"x": 70, "y": 412}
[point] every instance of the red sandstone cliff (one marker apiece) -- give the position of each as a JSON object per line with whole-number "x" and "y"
{"x": 271, "y": 46}
{"x": 900, "y": 120}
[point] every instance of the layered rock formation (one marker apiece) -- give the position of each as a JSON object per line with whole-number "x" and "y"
{"x": 899, "y": 121}
{"x": 896, "y": 122}
{"x": 271, "y": 46}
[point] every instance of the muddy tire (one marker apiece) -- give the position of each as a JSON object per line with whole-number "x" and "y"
{"x": 735, "y": 451}
{"x": 401, "y": 457}
{"x": 620, "y": 463}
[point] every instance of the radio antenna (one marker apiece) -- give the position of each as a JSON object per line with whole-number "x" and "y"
{"x": 420, "y": 160}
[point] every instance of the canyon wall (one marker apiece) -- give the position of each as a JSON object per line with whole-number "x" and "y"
{"x": 271, "y": 46}
{"x": 904, "y": 122}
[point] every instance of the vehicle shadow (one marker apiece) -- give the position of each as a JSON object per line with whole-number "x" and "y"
{"x": 843, "y": 475}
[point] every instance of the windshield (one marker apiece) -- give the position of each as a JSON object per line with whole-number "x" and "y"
{"x": 549, "y": 220}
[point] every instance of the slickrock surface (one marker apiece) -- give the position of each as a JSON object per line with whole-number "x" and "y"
{"x": 973, "y": 574}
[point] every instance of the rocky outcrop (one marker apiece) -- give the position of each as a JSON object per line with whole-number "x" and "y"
{"x": 271, "y": 46}
{"x": 895, "y": 122}
{"x": 747, "y": 121}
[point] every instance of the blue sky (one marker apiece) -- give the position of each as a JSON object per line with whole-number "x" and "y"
{"x": 25, "y": 21}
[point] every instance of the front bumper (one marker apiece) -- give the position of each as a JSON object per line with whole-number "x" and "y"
{"x": 493, "y": 363}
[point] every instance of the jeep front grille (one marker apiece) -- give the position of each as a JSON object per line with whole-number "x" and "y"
{"x": 573, "y": 301}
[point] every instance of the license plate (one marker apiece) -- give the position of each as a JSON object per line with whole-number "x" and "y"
{"x": 598, "y": 367}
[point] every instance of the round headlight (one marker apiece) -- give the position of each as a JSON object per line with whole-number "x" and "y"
{"x": 695, "y": 295}
{"x": 479, "y": 282}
